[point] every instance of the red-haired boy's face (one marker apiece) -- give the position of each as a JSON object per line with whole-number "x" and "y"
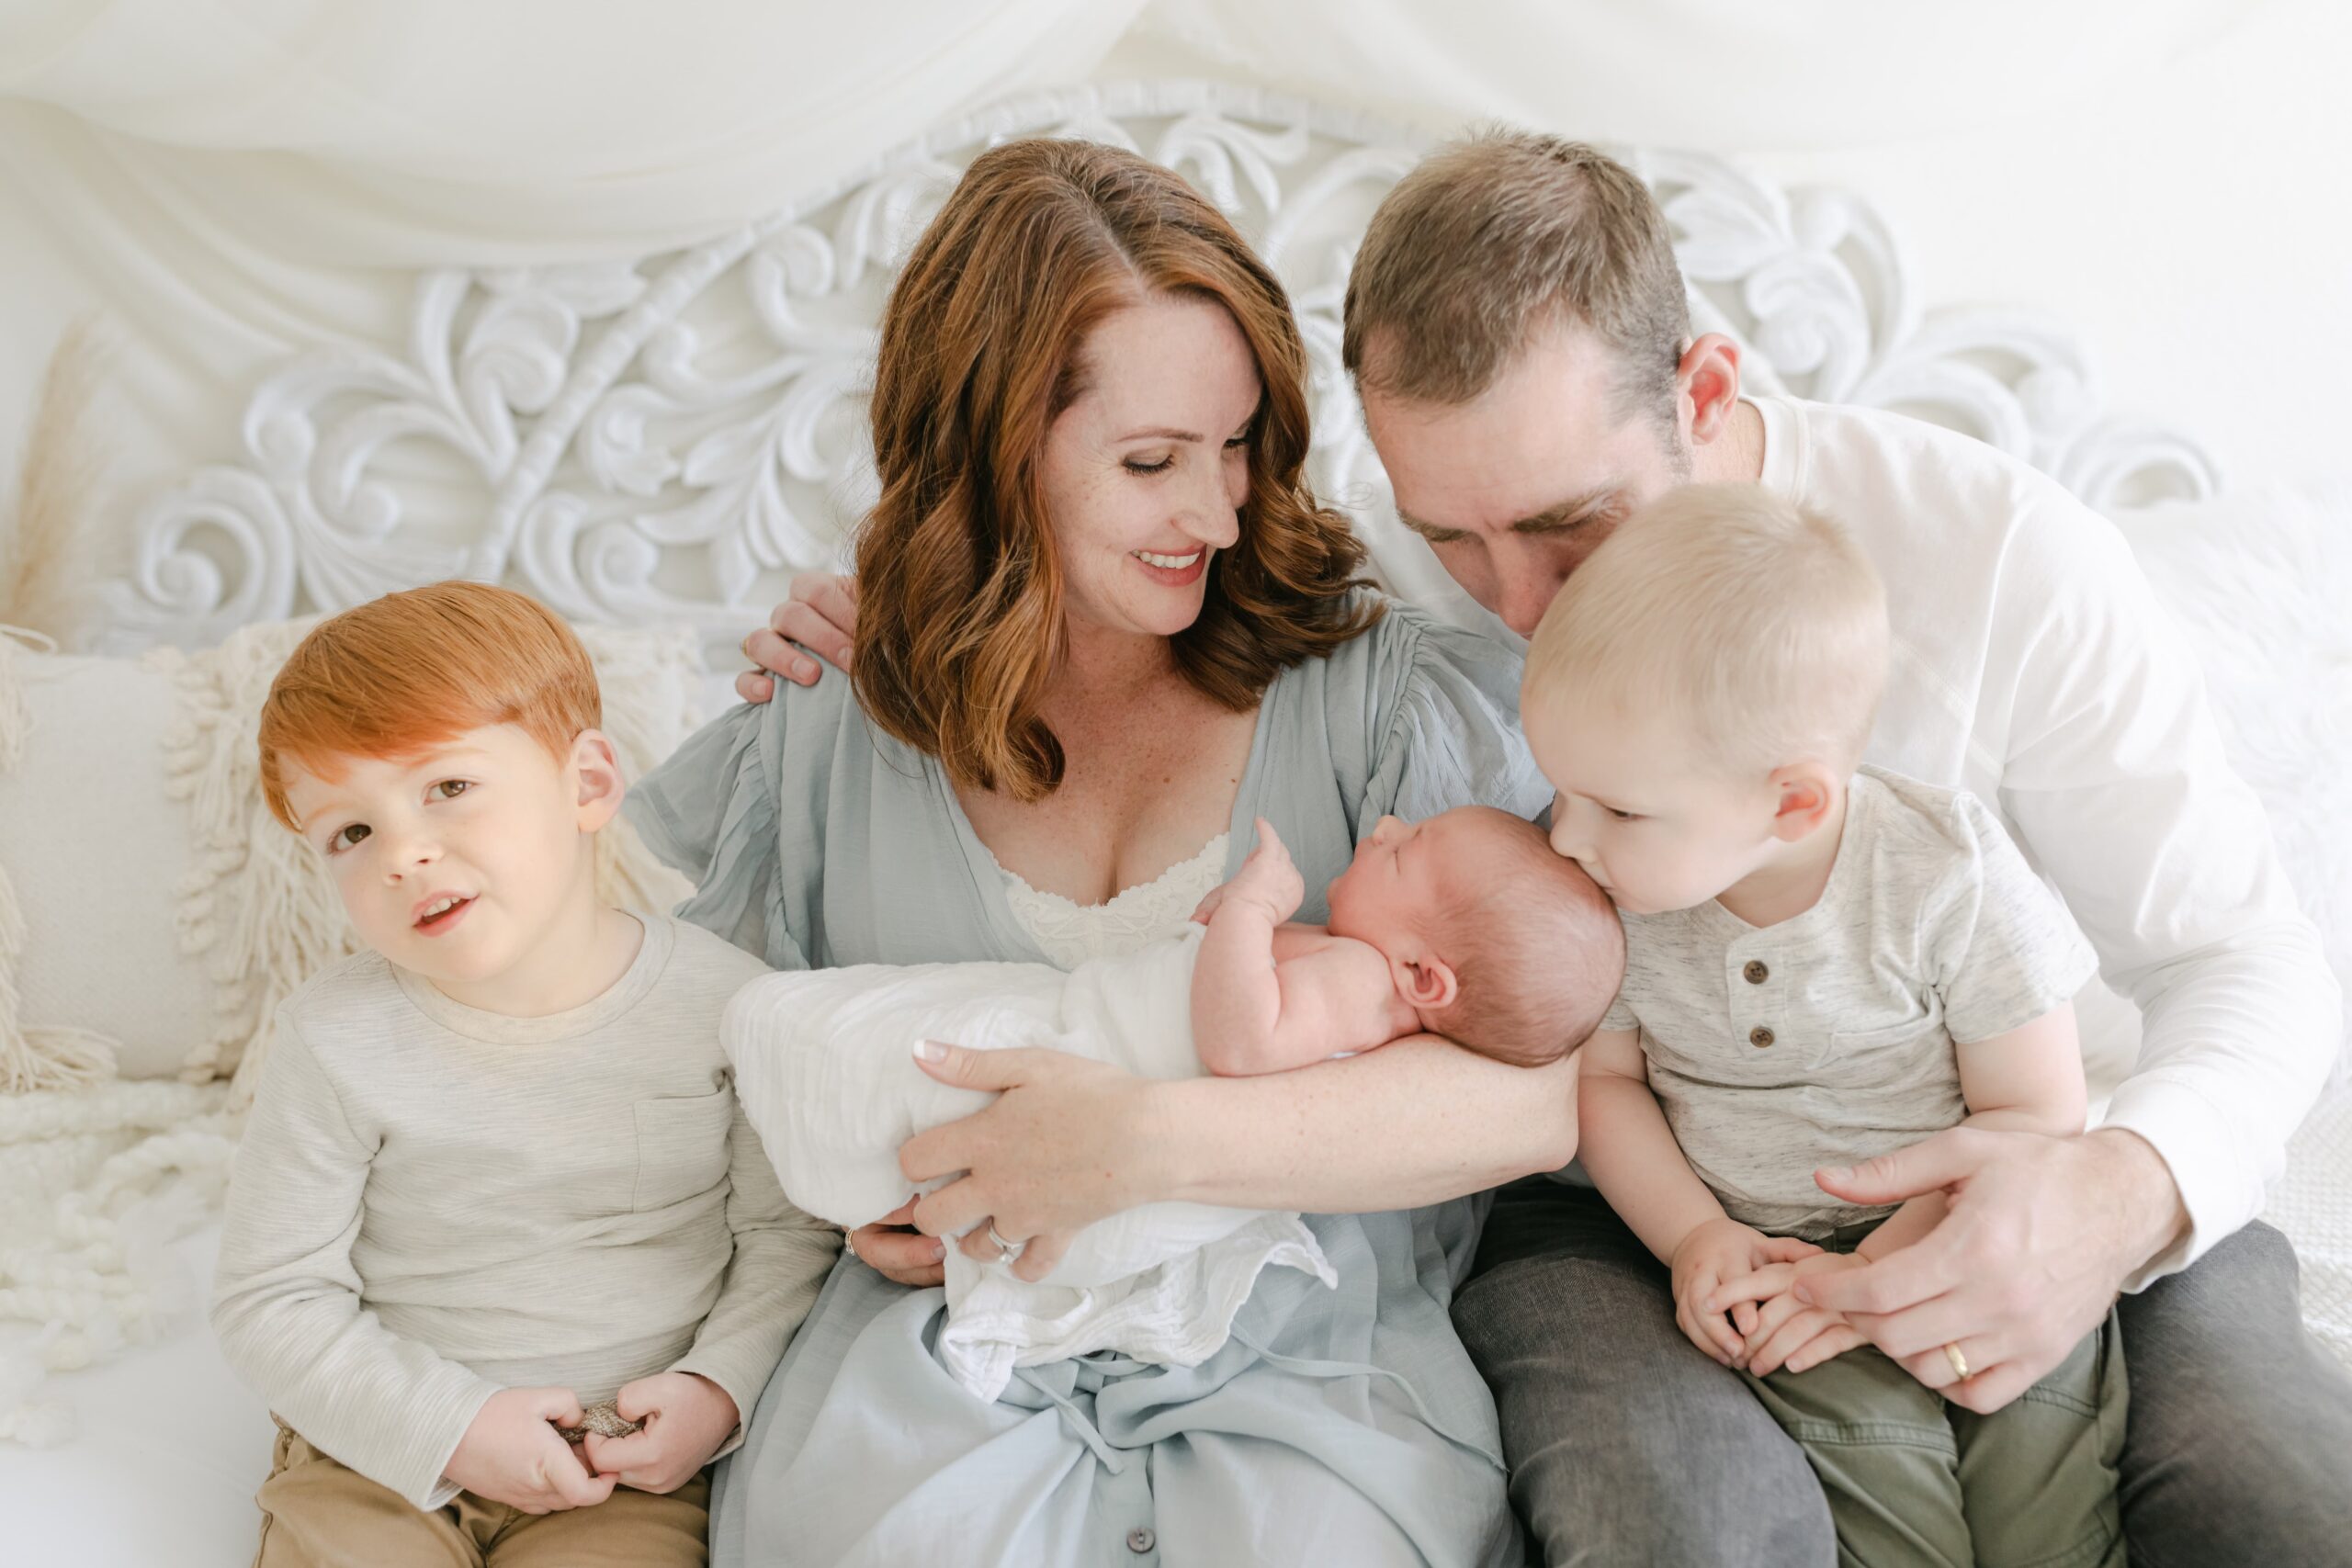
{"x": 469, "y": 863}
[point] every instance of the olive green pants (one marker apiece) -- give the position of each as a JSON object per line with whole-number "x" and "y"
{"x": 1912, "y": 1479}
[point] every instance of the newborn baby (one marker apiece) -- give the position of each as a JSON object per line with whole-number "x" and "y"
{"x": 1466, "y": 925}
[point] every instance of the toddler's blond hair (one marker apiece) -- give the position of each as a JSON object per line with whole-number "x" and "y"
{"x": 1754, "y": 624}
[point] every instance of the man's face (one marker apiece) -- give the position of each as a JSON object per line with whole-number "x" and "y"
{"x": 1512, "y": 490}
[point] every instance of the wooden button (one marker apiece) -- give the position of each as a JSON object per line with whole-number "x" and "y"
{"x": 1759, "y": 1037}
{"x": 1756, "y": 974}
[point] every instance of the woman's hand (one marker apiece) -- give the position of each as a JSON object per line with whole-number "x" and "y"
{"x": 1066, "y": 1143}
{"x": 820, "y": 618}
{"x": 893, "y": 1248}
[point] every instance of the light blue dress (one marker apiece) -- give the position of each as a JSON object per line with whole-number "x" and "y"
{"x": 1340, "y": 1426}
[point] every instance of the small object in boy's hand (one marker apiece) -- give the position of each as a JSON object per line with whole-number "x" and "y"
{"x": 603, "y": 1420}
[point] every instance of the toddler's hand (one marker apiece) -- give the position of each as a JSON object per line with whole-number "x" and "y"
{"x": 1784, "y": 1331}
{"x": 686, "y": 1417}
{"x": 1268, "y": 878}
{"x": 513, "y": 1454}
{"x": 1714, "y": 1252}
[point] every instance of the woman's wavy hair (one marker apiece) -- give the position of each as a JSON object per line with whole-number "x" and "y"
{"x": 959, "y": 621}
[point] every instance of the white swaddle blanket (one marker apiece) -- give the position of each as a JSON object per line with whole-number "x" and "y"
{"x": 824, "y": 1067}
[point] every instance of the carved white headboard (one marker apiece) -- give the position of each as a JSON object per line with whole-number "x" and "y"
{"x": 666, "y": 439}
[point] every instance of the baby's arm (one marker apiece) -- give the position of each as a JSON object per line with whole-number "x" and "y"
{"x": 1249, "y": 1015}
{"x": 287, "y": 1308}
{"x": 1630, "y": 1153}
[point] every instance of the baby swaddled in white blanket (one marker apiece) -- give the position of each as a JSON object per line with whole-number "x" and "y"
{"x": 823, "y": 1062}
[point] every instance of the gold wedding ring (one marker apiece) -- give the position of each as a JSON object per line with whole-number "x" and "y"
{"x": 745, "y": 645}
{"x": 1959, "y": 1363}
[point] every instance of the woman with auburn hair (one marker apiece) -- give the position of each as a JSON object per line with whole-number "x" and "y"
{"x": 1101, "y": 622}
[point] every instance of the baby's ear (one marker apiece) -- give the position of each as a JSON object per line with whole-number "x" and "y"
{"x": 1427, "y": 983}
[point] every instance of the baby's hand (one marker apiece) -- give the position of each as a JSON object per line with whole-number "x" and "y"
{"x": 512, "y": 1454}
{"x": 1268, "y": 878}
{"x": 1714, "y": 1252}
{"x": 1785, "y": 1332}
{"x": 686, "y": 1417}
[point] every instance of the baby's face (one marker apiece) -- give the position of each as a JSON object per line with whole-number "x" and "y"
{"x": 1653, "y": 827}
{"x": 454, "y": 862}
{"x": 1391, "y": 882}
{"x": 1402, "y": 872}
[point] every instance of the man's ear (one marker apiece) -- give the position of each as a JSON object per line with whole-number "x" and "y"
{"x": 599, "y": 772}
{"x": 1427, "y": 983}
{"x": 1808, "y": 794}
{"x": 1706, "y": 383}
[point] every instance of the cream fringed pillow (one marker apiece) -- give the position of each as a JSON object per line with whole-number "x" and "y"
{"x": 163, "y": 913}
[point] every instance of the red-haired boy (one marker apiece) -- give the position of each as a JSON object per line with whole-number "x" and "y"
{"x": 496, "y": 1171}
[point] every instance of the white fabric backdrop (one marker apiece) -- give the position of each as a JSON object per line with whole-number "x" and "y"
{"x": 231, "y": 179}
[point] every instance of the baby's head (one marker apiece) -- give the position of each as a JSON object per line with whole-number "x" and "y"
{"x": 1496, "y": 942}
{"x": 1701, "y": 690}
{"x": 439, "y": 747}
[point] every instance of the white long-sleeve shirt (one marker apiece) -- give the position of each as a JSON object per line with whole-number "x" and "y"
{"x": 434, "y": 1203}
{"x": 2032, "y": 667}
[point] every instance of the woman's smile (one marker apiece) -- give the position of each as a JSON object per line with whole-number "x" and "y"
{"x": 1174, "y": 570}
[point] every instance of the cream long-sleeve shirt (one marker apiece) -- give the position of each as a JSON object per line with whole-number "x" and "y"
{"x": 434, "y": 1203}
{"x": 2032, "y": 667}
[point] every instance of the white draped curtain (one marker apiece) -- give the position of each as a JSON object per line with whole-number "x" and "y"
{"x": 228, "y": 180}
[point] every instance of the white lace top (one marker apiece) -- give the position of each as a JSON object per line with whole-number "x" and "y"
{"x": 1068, "y": 934}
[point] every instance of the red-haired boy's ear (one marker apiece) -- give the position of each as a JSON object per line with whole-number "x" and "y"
{"x": 599, "y": 772}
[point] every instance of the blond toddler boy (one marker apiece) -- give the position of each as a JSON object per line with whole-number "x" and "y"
{"x": 495, "y": 1172}
{"x": 1825, "y": 963}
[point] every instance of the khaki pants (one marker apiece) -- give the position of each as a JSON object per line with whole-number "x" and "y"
{"x": 1911, "y": 1480}
{"x": 318, "y": 1514}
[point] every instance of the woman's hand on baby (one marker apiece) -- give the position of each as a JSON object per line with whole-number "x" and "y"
{"x": 686, "y": 1416}
{"x": 512, "y": 1453}
{"x": 1712, "y": 1253}
{"x": 1067, "y": 1142}
{"x": 893, "y": 1248}
{"x": 1267, "y": 878}
{"x": 1784, "y": 1331}
{"x": 820, "y": 618}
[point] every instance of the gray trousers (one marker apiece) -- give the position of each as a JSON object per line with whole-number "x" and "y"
{"x": 1628, "y": 1446}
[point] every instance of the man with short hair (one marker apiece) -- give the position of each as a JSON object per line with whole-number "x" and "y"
{"x": 1518, "y": 333}
{"x": 1520, "y": 336}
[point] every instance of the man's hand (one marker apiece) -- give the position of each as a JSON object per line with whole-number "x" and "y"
{"x": 893, "y": 1248}
{"x": 686, "y": 1416}
{"x": 513, "y": 1454}
{"x": 2040, "y": 1235}
{"x": 1712, "y": 1252}
{"x": 1066, "y": 1143}
{"x": 820, "y": 618}
{"x": 1785, "y": 1331}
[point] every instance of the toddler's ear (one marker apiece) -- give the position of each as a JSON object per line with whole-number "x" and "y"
{"x": 599, "y": 772}
{"x": 1427, "y": 983}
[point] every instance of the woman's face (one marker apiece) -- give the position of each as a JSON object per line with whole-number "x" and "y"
{"x": 1146, "y": 473}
